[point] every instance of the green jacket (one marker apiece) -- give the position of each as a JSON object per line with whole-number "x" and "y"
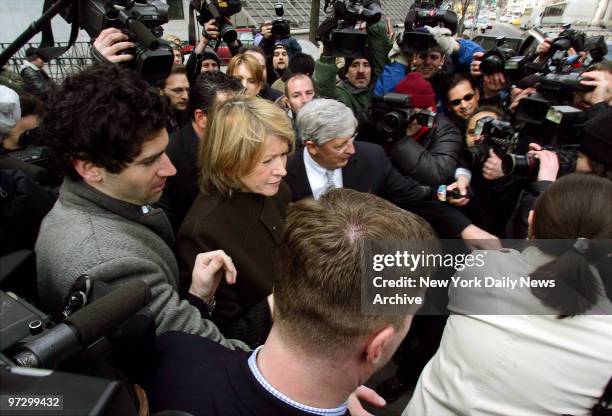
{"x": 12, "y": 80}
{"x": 357, "y": 99}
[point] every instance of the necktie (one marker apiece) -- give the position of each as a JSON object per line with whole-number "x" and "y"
{"x": 329, "y": 179}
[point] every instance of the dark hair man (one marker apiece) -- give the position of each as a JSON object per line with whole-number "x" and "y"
{"x": 361, "y": 72}
{"x": 37, "y": 81}
{"x": 209, "y": 89}
{"x": 107, "y": 128}
{"x": 321, "y": 347}
{"x": 462, "y": 99}
{"x": 176, "y": 88}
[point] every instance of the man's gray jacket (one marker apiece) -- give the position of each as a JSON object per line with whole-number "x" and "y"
{"x": 88, "y": 232}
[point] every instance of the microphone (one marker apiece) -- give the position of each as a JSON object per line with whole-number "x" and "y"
{"x": 85, "y": 326}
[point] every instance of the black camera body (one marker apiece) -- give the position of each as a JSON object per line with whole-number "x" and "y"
{"x": 392, "y": 113}
{"x": 337, "y": 31}
{"x": 141, "y": 21}
{"x": 528, "y": 166}
{"x": 281, "y": 28}
{"x": 498, "y": 135}
{"x": 219, "y": 11}
{"x": 504, "y": 60}
{"x": 424, "y": 13}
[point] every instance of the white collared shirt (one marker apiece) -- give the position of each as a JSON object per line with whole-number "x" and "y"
{"x": 316, "y": 176}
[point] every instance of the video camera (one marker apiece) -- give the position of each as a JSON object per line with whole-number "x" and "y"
{"x": 338, "y": 31}
{"x": 219, "y": 11}
{"x": 498, "y": 136}
{"x": 281, "y": 28}
{"x": 391, "y": 114}
{"x": 527, "y": 165}
{"x": 500, "y": 59}
{"x": 140, "y": 20}
{"x": 425, "y": 13}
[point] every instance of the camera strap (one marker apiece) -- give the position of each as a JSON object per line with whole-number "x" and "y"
{"x": 47, "y": 50}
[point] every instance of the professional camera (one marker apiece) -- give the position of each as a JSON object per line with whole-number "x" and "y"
{"x": 498, "y": 136}
{"x": 338, "y": 31}
{"x": 528, "y": 166}
{"x": 281, "y": 29}
{"x": 141, "y": 21}
{"x": 425, "y": 13}
{"x": 503, "y": 60}
{"x": 392, "y": 113}
{"x": 597, "y": 49}
{"x": 219, "y": 11}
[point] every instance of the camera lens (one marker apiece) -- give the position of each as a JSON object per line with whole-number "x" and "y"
{"x": 228, "y": 33}
{"x": 392, "y": 121}
{"x": 491, "y": 65}
{"x": 521, "y": 165}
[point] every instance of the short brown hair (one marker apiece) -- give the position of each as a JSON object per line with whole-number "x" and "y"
{"x": 317, "y": 300}
{"x": 234, "y": 141}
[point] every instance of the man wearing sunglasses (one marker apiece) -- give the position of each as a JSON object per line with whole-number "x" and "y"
{"x": 462, "y": 100}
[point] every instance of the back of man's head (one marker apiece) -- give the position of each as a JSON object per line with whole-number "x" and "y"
{"x": 302, "y": 63}
{"x": 203, "y": 93}
{"x": 103, "y": 115}
{"x": 317, "y": 300}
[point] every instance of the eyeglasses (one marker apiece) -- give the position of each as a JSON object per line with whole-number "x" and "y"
{"x": 343, "y": 147}
{"x": 466, "y": 97}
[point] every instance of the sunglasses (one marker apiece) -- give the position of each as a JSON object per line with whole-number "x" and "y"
{"x": 466, "y": 97}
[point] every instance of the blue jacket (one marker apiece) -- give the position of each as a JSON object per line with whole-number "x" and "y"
{"x": 394, "y": 72}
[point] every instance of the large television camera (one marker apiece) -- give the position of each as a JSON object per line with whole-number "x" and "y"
{"x": 558, "y": 59}
{"x": 337, "y": 30}
{"x": 392, "y": 113}
{"x": 140, "y": 20}
{"x": 425, "y": 13}
{"x": 219, "y": 11}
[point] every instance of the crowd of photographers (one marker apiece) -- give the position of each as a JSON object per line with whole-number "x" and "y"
{"x": 466, "y": 138}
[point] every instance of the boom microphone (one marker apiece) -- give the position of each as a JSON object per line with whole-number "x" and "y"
{"x": 85, "y": 326}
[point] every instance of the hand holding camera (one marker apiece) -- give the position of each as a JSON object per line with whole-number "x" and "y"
{"x": 111, "y": 42}
{"x": 210, "y": 31}
{"x": 549, "y": 162}
{"x": 492, "y": 168}
{"x": 602, "y": 83}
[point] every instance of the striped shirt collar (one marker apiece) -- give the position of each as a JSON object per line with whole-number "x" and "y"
{"x": 338, "y": 411}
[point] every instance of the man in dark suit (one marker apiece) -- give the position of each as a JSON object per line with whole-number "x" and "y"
{"x": 331, "y": 158}
{"x": 182, "y": 189}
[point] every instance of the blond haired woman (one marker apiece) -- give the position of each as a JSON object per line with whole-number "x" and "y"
{"x": 241, "y": 209}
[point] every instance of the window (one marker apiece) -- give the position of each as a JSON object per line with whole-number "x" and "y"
{"x": 175, "y": 11}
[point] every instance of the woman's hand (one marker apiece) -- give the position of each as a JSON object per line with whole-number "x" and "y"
{"x": 208, "y": 270}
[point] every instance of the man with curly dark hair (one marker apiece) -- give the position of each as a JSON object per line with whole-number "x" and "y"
{"x": 107, "y": 127}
